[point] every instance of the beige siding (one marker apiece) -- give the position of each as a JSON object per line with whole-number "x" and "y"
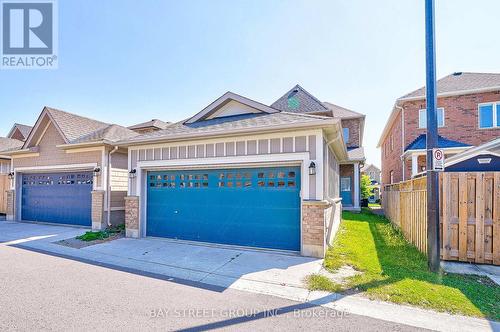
{"x": 4, "y": 166}
{"x": 51, "y": 155}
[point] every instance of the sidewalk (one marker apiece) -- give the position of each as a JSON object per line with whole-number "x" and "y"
{"x": 119, "y": 255}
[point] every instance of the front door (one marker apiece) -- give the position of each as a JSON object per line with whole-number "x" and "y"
{"x": 345, "y": 190}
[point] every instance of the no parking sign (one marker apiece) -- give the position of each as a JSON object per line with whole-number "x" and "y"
{"x": 438, "y": 160}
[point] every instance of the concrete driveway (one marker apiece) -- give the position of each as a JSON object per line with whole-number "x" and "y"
{"x": 267, "y": 272}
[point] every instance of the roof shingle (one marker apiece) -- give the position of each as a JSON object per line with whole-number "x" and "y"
{"x": 460, "y": 81}
{"x": 421, "y": 141}
{"x": 298, "y": 100}
{"x": 227, "y": 124}
{"x": 8, "y": 144}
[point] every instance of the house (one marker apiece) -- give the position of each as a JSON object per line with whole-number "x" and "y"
{"x": 298, "y": 100}
{"x": 468, "y": 106}
{"x": 149, "y": 126}
{"x": 6, "y": 144}
{"x": 242, "y": 173}
{"x": 19, "y": 132}
{"x": 373, "y": 172}
{"x": 69, "y": 170}
{"x": 482, "y": 158}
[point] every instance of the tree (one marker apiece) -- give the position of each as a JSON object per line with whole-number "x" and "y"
{"x": 366, "y": 186}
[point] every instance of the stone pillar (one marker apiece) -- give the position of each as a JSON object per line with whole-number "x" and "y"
{"x": 11, "y": 205}
{"x": 132, "y": 216}
{"x": 314, "y": 228}
{"x": 98, "y": 217}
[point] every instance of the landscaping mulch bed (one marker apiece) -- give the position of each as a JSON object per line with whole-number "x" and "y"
{"x": 79, "y": 244}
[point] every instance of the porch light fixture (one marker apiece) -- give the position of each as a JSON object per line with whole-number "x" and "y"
{"x": 312, "y": 168}
{"x": 11, "y": 175}
{"x": 97, "y": 170}
{"x": 132, "y": 173}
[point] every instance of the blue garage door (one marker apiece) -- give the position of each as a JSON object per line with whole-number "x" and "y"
{"x": 257, "y": 207}
{"x": 57, "y": 197}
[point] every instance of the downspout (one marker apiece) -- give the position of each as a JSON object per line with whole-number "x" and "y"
{"x": 108, "y": 201}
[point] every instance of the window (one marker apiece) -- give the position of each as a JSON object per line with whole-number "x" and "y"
{"x": 346, "y": 134}
{"x": 489, "y": 115}
{"x": 392, "y": 142}
{"x": 391, "y": 176}
{"x": 422, "y": 118}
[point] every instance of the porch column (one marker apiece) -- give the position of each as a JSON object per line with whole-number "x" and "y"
{"x": 414, "y": 164}
{"x": 356, "y": 185}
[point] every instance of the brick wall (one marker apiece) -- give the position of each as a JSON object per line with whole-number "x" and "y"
{"x": 11, "y": 205}
{"x": 132, "y": 216}
{"x": 98, "y": 220}
{"x": 314, "y": 228}
{"x": 354, "y": 131}
{"x": 17, "y": 135}
{"x": 391, "y": 153}
{"x": 461, "y": 123}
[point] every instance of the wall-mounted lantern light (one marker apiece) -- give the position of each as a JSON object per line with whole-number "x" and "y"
{"x": 312, "y": 168}
{"x": 11, "y": 175}
{"x": 132, "y": 173}
{"x": 97, "y": 171}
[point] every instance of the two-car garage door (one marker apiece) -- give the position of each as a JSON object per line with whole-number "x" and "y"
{"x": 256, "y": 207}
{"x": 57, "y": 198}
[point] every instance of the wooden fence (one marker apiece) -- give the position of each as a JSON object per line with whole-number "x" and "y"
{"x": 4, "y": 186}
{"x": 469, "y": 208}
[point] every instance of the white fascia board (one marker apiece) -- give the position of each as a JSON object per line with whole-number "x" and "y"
{"x": 423, "y": 152}
{"x": 467, "y": 156}
{"x": 35, "y": 169}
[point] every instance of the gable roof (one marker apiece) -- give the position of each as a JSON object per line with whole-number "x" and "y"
{"x": 23, "y": 129}
{"x": 356, "y": 154}
{"x": 231, "y": 124}
{"x": 342, "y": 112}
{"x": 491, "y": 147}
{"x": 8, "y": 144}
{"x": 420, "y": 142}
{"x": 298, "y": 100}
{"x": 78, "y": 129}
{"x": 155, "y": 123}
{"x": 366, "y": 167}
{"x": 223, "y": 100}
{"x": 460, "y": 83}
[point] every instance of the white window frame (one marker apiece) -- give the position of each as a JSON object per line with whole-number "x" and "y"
{"x": 425, "y": 110}
{"x": 496, "y": 105}
{"x": 391, "y": 177}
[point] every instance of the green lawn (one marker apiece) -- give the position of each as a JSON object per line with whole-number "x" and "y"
{"x": 395, "y": 271}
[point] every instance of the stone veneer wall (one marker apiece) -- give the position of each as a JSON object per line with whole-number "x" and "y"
{"x": 132, "y": 216}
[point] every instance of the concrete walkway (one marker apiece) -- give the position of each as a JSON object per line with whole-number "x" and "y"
{"x": 217, "y": 268}
{"x": 490, "y": 271}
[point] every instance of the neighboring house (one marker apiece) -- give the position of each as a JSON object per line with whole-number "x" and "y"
{"x": 243, "y": 173}
{"x": 482, "y": 158}
{"x": 70, "y": 171}
{"x": 374, "y": 173}
{"x": 19, "y": 132}
{"x": 6, "y": 145}
{"x": 468, "y": 115}
{"x": 149, "y": 126}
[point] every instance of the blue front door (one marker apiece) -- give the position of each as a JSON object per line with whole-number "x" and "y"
{"x": 345, "y": 190}
{"x": 256, "y": 207}
{"x": 63, "y": 198}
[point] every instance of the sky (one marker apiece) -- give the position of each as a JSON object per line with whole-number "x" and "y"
{"x": 127, "y": 62}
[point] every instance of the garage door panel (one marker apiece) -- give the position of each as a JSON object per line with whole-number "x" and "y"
{"x": 248, "y": 207}
{"x": 57, "y": 197}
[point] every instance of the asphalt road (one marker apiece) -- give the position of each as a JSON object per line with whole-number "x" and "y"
{"x": 43, "y": 292}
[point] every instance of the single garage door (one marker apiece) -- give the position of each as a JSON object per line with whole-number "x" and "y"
{"x": 57, "y": 197}
{"x": 256, "y": 207}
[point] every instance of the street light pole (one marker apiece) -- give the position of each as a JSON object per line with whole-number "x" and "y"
{"x": 433, "y": 245}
